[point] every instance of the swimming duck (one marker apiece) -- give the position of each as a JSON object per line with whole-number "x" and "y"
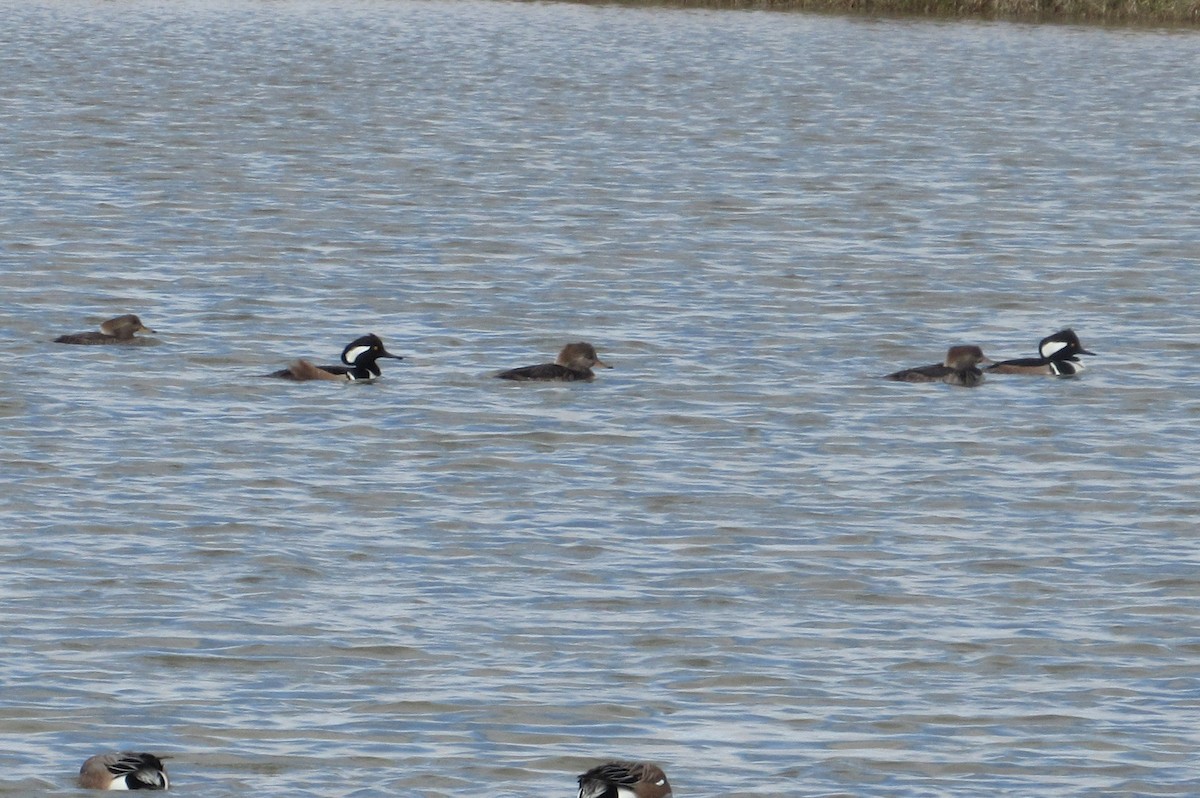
{"x": 359, "y": 358}
{"x": 574, "y": 362}
{"x": 124, "y": 770}
{"x": 961, "y": 367}
{"x": 624, "y": 780}
{"x": 1058, "y": 356}
{"x": 119, "y": 330}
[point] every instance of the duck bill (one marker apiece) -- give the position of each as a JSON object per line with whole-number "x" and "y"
{"x": 602, "y": 364}
{"x": 1085, "y": 352}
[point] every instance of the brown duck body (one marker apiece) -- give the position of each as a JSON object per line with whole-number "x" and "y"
{"x": 1025, "y": 365}
{"x": 574, "y": 363}
{"x": 119, "y": 330}
{"x": 961, "y": 367}
{"x": 302, "y": 371}
{"x": 123, "y": 770}
{"x": 624, "y": 780}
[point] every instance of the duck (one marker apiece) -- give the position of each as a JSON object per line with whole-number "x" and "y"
{"x": 1058, "y": 356}
{"x": 124, "y": 770}
{"x": 624, "y": 780}
{"x": 574, "y": 362}
{"x": 961, "y": 367}
{"x": 359, "y": 358}
{"x": 117, "y": 330}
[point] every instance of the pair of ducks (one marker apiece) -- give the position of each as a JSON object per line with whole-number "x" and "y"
{"x": 132, "y": 770}
{"x": 360, "y": 357}
{"x": 1058, "y": 355}
{"x": 574, "y": 363}
{"x": 359, "y": 362}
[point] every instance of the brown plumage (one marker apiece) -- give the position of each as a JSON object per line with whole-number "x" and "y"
{"x": 574, "y": 362}
{"x": 118, "y": 330}
{"x": 124, "y": 770}
{"x": 302, "y": 370}
{"x": 624, "y": 780}
{"x": 961, "y": 367}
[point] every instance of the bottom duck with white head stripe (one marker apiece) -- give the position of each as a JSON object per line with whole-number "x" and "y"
{"x": 124, "y": 770}
{"x": 359, "y": 359}
{"x": 1059, "y": 357}
{"x": 624, "y": 780}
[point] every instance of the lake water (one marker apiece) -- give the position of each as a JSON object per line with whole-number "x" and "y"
{"x": 739, "y": 553}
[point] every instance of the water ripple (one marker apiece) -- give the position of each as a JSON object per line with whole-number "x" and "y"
{"x": 739, "y": 552}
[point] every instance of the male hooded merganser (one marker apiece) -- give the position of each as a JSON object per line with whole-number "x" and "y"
{"x": 119, "y": 330}
{"x": 624, "y": 780}
{"x": 126, "y": 770}
{"x": 574, "y": 362}
{"x": 359, "y": 357}
{"x": 961, "y": 367}
{"x": 1058, "y": 356}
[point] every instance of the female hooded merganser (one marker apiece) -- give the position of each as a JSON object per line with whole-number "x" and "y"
{"x": 624, "y": 780}
{"x": 574, "y": 362}
{"x": 1058, "y": 356}
{"x": 114, "y": 331}
{"x": 359, "y": 357}
{"x": 961, "y": 367}
{"x": 126, "y": 770}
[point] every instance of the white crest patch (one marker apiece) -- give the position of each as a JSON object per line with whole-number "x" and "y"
{"x": 354, "y": 354}
{"x": 1050, "y": 347}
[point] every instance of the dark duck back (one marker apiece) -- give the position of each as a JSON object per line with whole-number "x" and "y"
{"x": 118, "y": 330}
{"x": 961, "y": 367}
{"x": 624, "y": 780}
{"x": 575, "y": 362}
{"x": 124, "y": 770}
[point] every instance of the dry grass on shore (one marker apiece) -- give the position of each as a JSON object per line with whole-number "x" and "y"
{"x": 1107, "y": 12}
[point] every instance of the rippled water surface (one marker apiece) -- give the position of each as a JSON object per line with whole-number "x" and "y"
{"x": 739, "y": 553}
